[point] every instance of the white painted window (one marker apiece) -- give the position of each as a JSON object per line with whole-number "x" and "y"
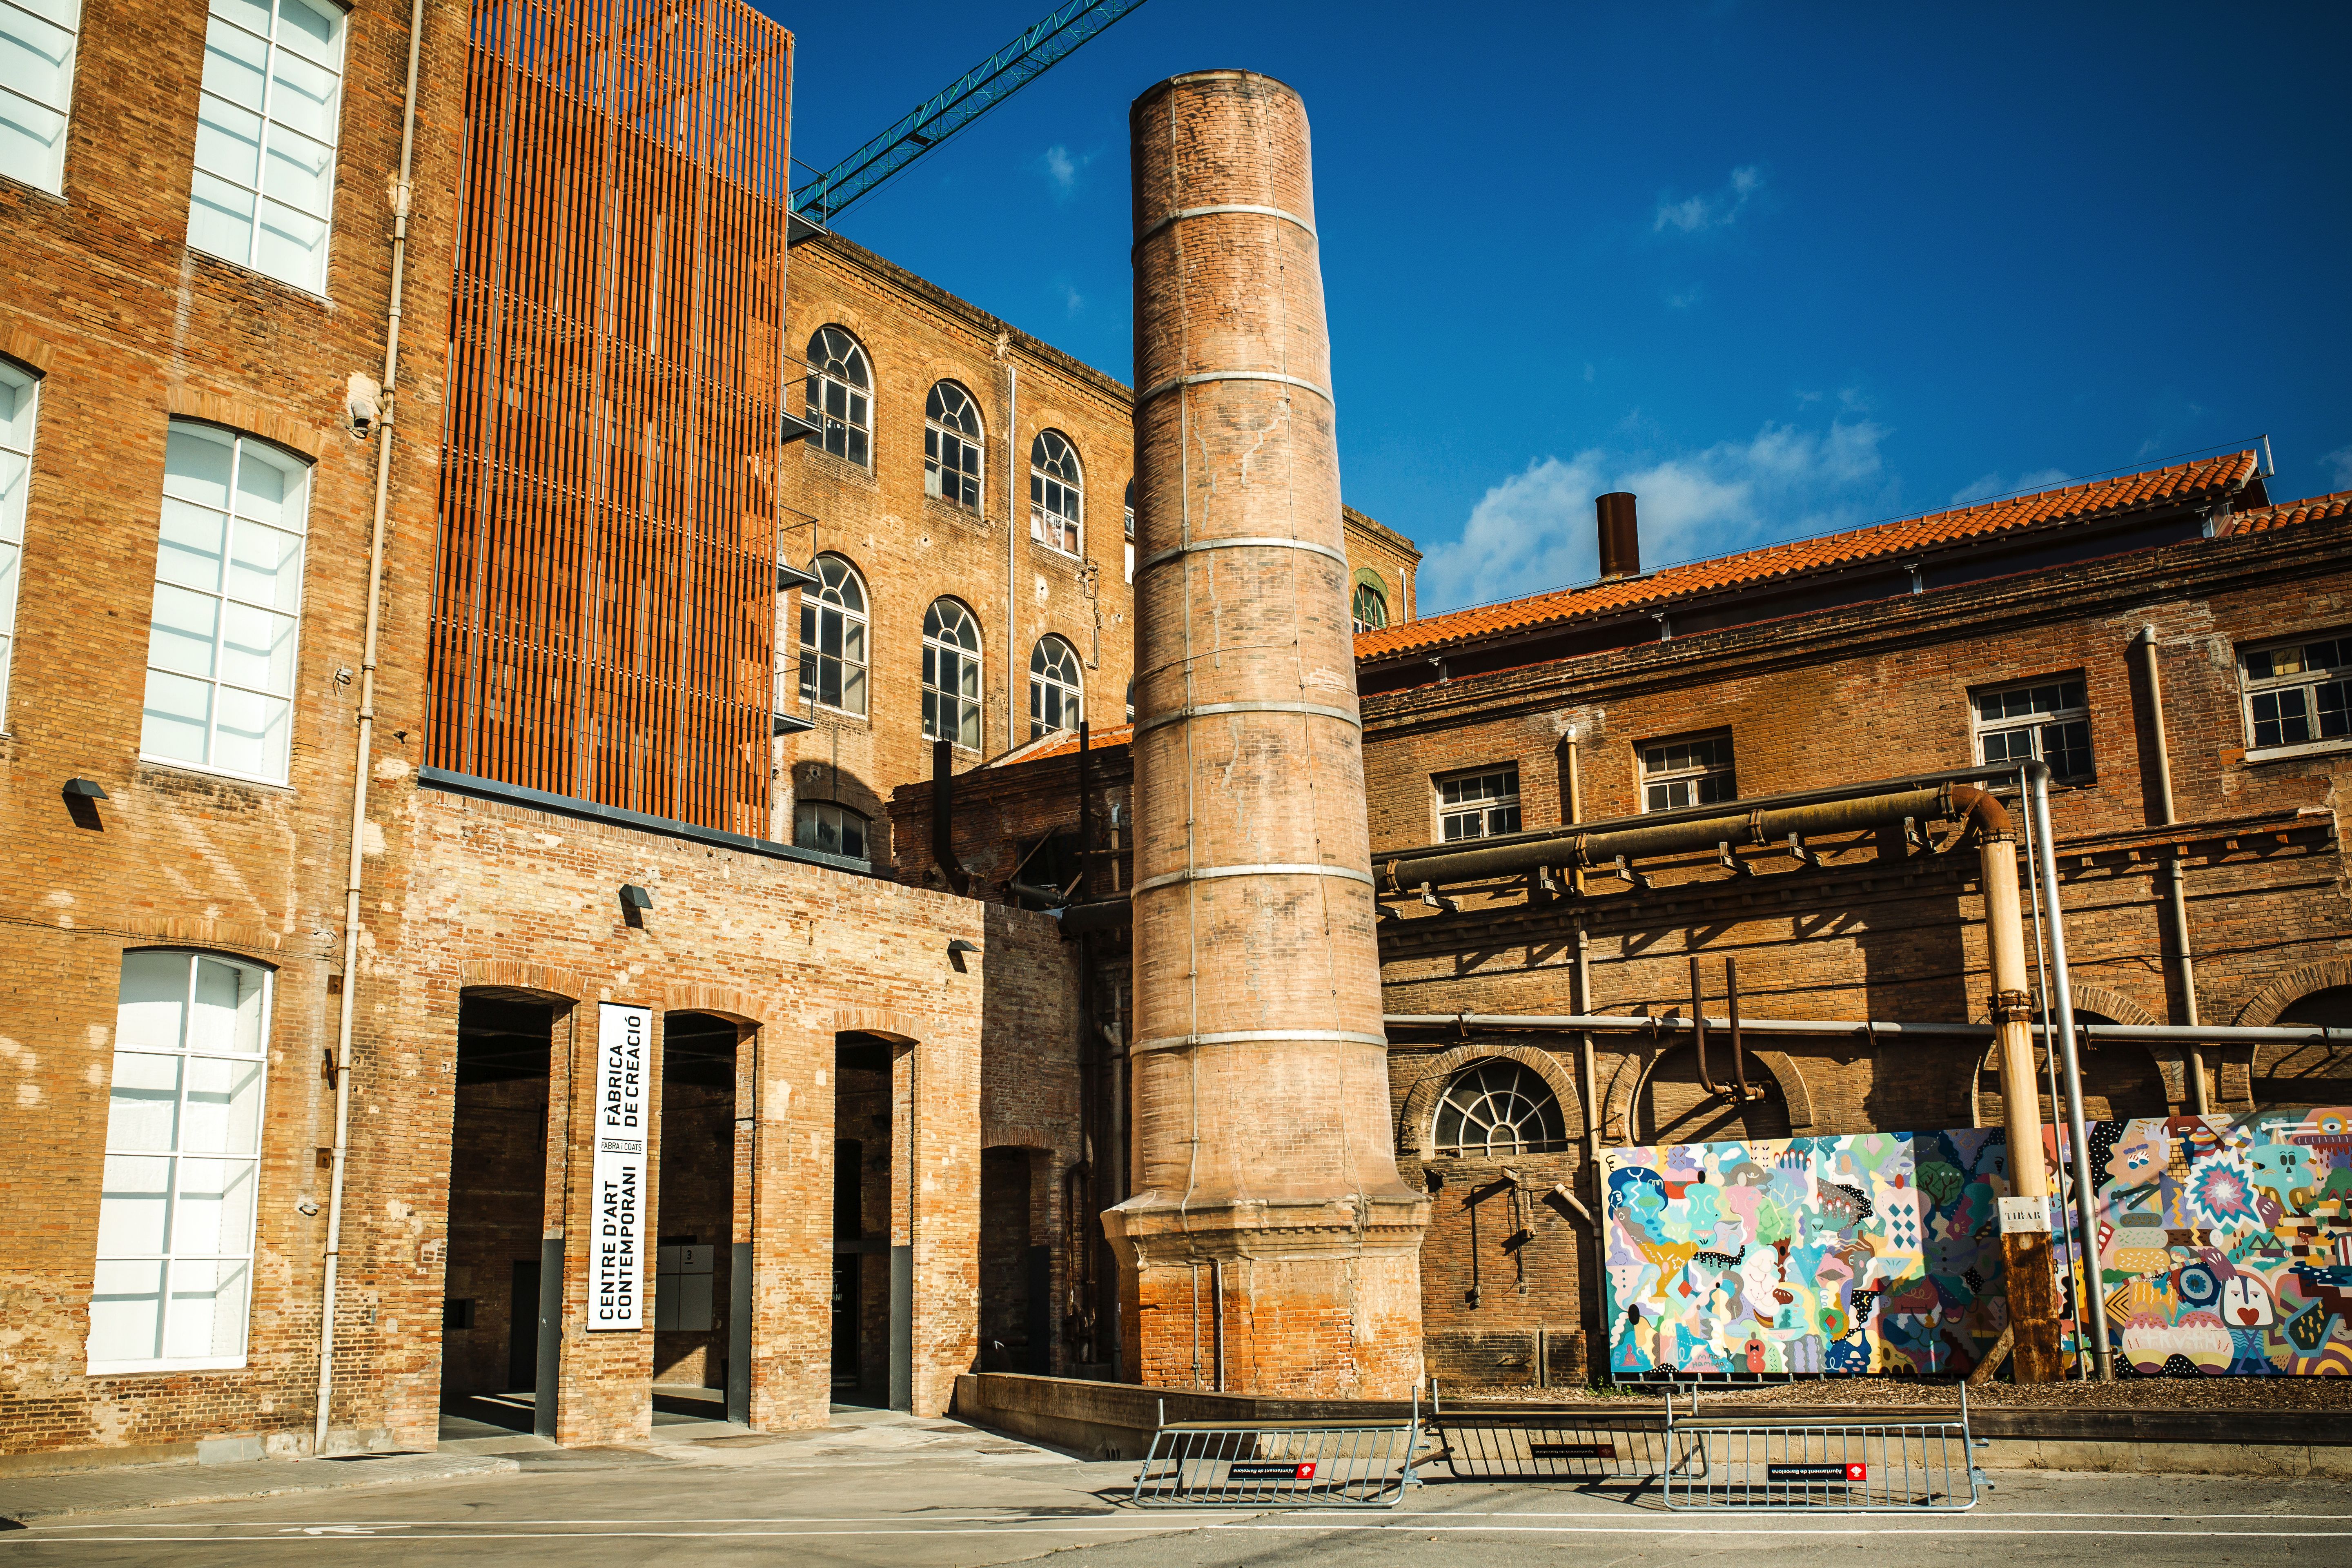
{"x": 1131, "y": 534}
{"x": 37, "y": 72}
{"x": 2299, "y": 693}
{"x": 839, "y": 383}
{"x": 1057, "y": 492}
{"x": 1478, "y": 806}
{"x": 1692, "y": 770}
{"x": 2048, "y": 719}
{"x": 953, "y": 446}
{"x": 1494, "y": 1108}
{"x": 228, "y": 604}
{"x": 1054, "y": 686}
{"x": 833, "y": 636}
{"x": 173, "y": 1283}
{"x": 20, "y": 395}
{"x": 266, "y": 132}
{"x": 1370, "y": 608}
{"x": 834, "y": 830}
{"x": 951, "y": 674}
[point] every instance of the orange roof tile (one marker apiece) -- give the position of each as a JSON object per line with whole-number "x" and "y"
{"x": 2287, "y": 513}
{"x": 1065, "y": 743}
{"x": 2180, "y": 482}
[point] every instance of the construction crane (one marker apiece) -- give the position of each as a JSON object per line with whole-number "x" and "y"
{"x": 1040, "y": 47}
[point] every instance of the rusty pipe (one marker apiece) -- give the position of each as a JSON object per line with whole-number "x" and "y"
{"x": 943, "y": 853}
{"x": 1698, "y": 1028}
{"x": 1731, "y": 1006}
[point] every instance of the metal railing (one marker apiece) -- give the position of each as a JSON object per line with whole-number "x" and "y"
{"x": 1557, "y": 1443}
{"x": 1280, "y": 1464}
{"x": 1894, "y": 1462}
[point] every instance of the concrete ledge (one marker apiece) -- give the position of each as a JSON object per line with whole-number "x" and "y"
{"x": 28, "y": 1499}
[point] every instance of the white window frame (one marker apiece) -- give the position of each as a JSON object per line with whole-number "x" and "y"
{"x": 18, "y": 432}
{"x": 2324, "y": 693}
{"x": 1507, "y": 1100}
{"x": 828, "y": 606}
{"x": 2030, "y": 710}
{"x": 171, "y": 1257}
{"x": 1379, "y": 591}
{"x": 1055, "y": 681}
{"x": 1058, "y": 494}
{"x": 1130, "y": 531}
{"x": 27, "y": 25}
{"x": 840, "y": 395}
{"x": 957, "y": 446}
{"x": 242, "y": 448}
{"x": 276, "y": 136}
{"x": 1491, "y": 812}
{"x": 943, "y": 650}
{"x": 1699, "y": 765}
{"x": 809, "y": 822}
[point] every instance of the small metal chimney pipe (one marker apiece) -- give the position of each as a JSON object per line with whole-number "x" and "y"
{"x": 1620, "y": 535}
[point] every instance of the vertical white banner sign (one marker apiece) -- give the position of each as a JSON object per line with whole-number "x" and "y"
{"x": 617, "y": 1255}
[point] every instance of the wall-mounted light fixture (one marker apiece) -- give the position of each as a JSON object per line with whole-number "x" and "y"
{"x": 82, "y": 796}
{"x": 634, "y": 902}
{"x": 84, "y": 789}
{"x": 957, "y": 949}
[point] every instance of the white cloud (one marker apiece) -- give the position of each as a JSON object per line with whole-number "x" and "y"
{"x": 1062, "y": 169}
{"x": 1534, "y": 530}
{"x": 1071, "y": 301}
{"x": 1694, "y": 213}
{"x": 2339, "y": 463}
{"x": 1684, "y": 298}
{"x": 1984, "y": 487}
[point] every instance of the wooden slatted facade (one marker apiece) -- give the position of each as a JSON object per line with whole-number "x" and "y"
{"x": 604, "y": 622}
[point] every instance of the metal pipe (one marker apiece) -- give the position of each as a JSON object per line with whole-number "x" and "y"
{"x": 1731, "y": 1005}
{"x": 2077, "y": 1133}
{"x": 2176, "y": 896}
{"x": 2048, "y": 1038}
{"x": 943, "y": 853}
{"x": 401, "y": 196}
{"x": 1857, "y": 1029}
{"x": 1698, "y": 1029}
{"x": 1011, "y": 548}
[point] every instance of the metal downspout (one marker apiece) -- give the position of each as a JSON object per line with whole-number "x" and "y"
{"x": 1011, "y": 554}
{"x": 366, "y": 720}
{"x": 2175, "y": 897}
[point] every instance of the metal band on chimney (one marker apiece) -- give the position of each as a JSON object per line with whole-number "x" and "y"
{"x": 1254, "y": 1037}
{"x": 1206, "y": 708}
{"x": 1264, "y": 868}
{"x": 1197, "y": 377}
{"x": 1289, "y": 217}
{"x": 1161, "y": 557}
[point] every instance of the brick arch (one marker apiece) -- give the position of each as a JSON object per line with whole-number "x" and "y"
{"x": 1415, "y": 1123}
{"x": 1634, "y": 1068}
{"x": 2292, "y": 987}
{"x": 715, "y": 1000}
{"x": 899, "y": 1028}
{"x": 537, "y": 980}
{"x": 2171, "y": 1059}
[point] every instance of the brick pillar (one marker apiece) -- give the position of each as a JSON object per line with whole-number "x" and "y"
{"x": 1268, "y": 1233}
{"x": 605, "y": 1390}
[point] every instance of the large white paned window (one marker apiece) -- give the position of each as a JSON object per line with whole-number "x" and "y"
{"x": 838, "y": 381}
{"x": 173, "y": 1285}
{"x": 951, "y": 674}
{"x": 19, "y": 394}
{"x": 833, "y": 636}
{"x": 1054, "y": 686}
{"x": 36, "y": 68}
{"x": 2299, "y": 693}
{"x": 265, "y": 179}
{"x": 228, "y": 604}
{"x": 1057, "y": 492}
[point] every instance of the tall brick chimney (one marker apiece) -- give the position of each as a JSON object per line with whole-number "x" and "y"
{"x": 1270, "y": 1247}
{"x": 1620, "y": 535}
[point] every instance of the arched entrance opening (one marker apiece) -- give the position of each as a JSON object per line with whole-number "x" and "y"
{"x": 695, "y": 1220}
{"x": 2120, "y": 1081}
{"x": 1672, "y": 1106}
{"x": 2307, "y": 1073}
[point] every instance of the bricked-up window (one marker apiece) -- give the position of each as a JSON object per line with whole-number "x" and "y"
{"x": 2049, "y": 719}
{"x": 1689, "y": 770}
{"x": 839, "y": 381}
{"x": 266, "y": 121}
{"x": 1480, "y": 804}
{"x": 2299, "y": 693}
{"x": 1057, "y": 492}
{"x": 36, "y": 68}
{"x": 19, "y": 397}
{"x": 1054, "y": 686}
{"x": 833, "y": 829}
{"x": 952, "y": 446}
{"x": 184, "y": 1126}
{"x": 228, "y": 604}
{"x": 1494, "y": 1108}
{"x": 951, "y": 674}
{"x": 833, "y": 636}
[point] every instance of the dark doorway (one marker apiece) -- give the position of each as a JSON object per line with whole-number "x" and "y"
{"x": 694, "y": 1254}
{"x": 498, "y": 1181}
{"x": 1015, "y": 1273}
{"x": 866, "y": 1302}
{"x": 522, "y": 1330}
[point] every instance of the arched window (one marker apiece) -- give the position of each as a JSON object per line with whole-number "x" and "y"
{"x": 951, "y": 674}
{"x": 829, "y": 828}
{"x": 1057, "y": 492}
{"x": 1131, "y": 534}
{"x": 1368, "y": 607}
{"x": 833, "y": 636}
{"x": 1499, "y": 1107}
{"x": 839, "y": 383}
{"x": 1054, "y": 686}
{"x": 952, "y": 446}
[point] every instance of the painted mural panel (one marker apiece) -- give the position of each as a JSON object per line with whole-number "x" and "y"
{"x": 2225, "y": 1246}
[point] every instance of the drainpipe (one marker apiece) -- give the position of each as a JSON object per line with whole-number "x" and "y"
{"x": 366, "y": 720}
{"x": 943, "y": 853}
{"x": 2176, "y": 896}
{"x": 1011, "y": 554}
{"x": 2025, "y": 1250}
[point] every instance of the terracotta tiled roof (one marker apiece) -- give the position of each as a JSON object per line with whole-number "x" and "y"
{"x": 2286, "y": 514}
{"x": 2182, "y": 482}
{"x": 1065, "y": 743}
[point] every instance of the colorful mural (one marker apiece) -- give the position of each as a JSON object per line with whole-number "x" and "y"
{"x": 2224, "y": 1246}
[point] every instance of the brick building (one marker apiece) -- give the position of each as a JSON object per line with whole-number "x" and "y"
{"x": 1946, "y": 642}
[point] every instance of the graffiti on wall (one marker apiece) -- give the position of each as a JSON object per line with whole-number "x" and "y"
{"x": 2224, "y": 1246}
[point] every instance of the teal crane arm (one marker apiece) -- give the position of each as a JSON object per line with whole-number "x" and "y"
{"x": 1041, "y": 46}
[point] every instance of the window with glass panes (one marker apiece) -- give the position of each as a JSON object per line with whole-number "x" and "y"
{"x": 952, "y": 446}
{"x": 839, "y": 381}
{"x": 1480, "y": 804}
{"x": 951, "y": 674}
{"x": 20, "y": 393}
{"x": 2300, "y": 692}
{"x": 833, "y": 829}
{"x": 1689, "y": 770}
{"x": 833, "y": 636}
{"x": 1130, "y": 531}
{"x": 1055, "y": 685}
{"x": 173, "y": 1282}
{"x": 263, "y": 192}
{"x": 37, "y": 72}
{"x": 1056, "y": 494}
{"x": 1369, "y": 610}
{"x": 228, "y": 604}
{"x": 2049, "y": 719}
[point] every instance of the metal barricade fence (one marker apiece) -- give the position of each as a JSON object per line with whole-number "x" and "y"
{"x": 1280, "y": 1464}
{"x": 1557, "y": 1443}
{"x": 1894, "y": 1462}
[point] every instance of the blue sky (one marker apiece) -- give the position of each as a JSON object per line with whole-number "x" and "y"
{"x": 1777, "y": 269}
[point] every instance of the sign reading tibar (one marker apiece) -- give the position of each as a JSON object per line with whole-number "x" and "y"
{"x": 616, "y": 1256}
